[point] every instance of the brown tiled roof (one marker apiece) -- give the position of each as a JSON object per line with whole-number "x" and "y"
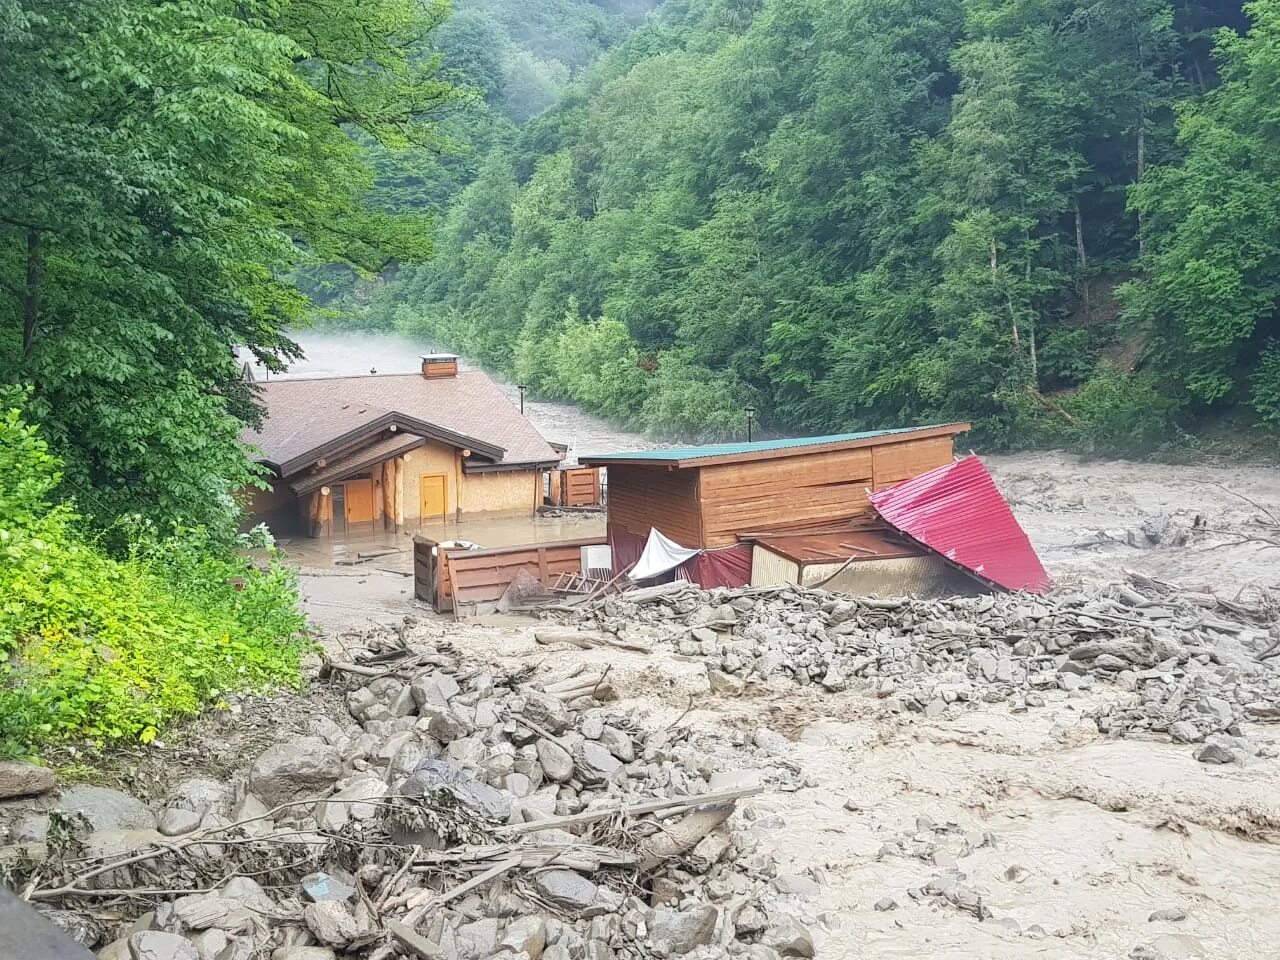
{"x": 469, "y": 410}
{"x": 358, "y": 460}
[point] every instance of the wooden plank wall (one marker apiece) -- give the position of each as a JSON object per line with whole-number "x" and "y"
{"x": 763, "y": 494}
{"x": 581, "y": 487}
{"x": 892, "y": 463}
{"x": 482, "y": 576}
{"x": 645, "y": 497}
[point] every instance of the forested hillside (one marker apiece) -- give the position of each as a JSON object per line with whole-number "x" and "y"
{"x": 1060, "y": 219}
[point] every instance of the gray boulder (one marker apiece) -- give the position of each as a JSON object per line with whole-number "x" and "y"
{"x": 202, "y": 795}
{"x": 331, "y": 922}
{"x": 319, "y": 887}
{"x": 154, "y": 945}
{"x": 175, "y": 822}
{"x": 575, "y": 893}
{"x": 439, "y": 775}
{"x": 294, "y": 769}
{"x": 107, "y": 809}
{"x": 594, "y": 763}
{"x": 674, "y": 933}
{"x": 546, "y": 711}
{"x": 24, "y": 780}
{"x": 556, "y": 763}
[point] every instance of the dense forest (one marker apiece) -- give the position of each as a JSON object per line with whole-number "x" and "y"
{"x": 1059, "y": 219}
{"x": 165, "y": 169}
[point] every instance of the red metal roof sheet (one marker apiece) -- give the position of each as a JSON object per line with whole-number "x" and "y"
{"x": 957, "y": 511}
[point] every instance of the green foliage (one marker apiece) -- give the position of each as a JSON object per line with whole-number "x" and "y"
{"x": 865, "y": 213}
{"x": 105, "y": 648}
{"x": 166, "y": 166}
{"x": 1121, "y": 414}
{"x": 1266, "y": 385}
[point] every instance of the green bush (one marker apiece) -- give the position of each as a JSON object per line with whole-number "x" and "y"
{"x": 103, "y": 648}
{"x": 1266, "y": 385}
{"x": 1121, "y": 414}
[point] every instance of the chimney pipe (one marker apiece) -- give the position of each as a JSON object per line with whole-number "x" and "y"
{"x": 439, "y": 366}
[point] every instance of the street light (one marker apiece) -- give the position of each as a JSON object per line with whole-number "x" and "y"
{"x": 750, "y": 411}
{"x": 521, "y": 387}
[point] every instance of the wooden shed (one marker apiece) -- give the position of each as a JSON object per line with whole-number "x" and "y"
{"x": 714, "y": 496}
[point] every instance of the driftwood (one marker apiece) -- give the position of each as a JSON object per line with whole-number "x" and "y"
{"x": 587, "y": 641}
{"x": 667, "y": 806}
{"x": 583, "y": 857}
{"x": 680, "y": 837}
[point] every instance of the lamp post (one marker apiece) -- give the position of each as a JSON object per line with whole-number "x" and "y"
{"x": 521, "y": 387}
{"x": 750, "y": 411}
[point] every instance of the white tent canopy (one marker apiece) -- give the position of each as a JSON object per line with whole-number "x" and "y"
{"x": 660, "y": 555}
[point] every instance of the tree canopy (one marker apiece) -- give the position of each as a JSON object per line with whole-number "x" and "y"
{"x": 1048, "y": 216}
{"x": 162, "y": 167}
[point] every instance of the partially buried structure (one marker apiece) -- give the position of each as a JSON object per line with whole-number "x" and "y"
{"x": 801, "y": 500}
{"x": 388, "y": 451}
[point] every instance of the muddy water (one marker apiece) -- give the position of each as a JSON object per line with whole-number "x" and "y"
{"x": 1084, "y": 517}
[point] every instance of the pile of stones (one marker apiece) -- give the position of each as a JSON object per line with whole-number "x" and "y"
{"x": 376, "y": 834}
{"x": 1182, "y": 664}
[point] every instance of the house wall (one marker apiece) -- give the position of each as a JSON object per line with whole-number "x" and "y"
{"x": 508, "y": 492}
{"x": 711, "y": 506}
{"x": 645, "y": 497}
{"x": 791, "y": 491}
{"x": 434, "y": 458}
{"x": 894, "y": 462}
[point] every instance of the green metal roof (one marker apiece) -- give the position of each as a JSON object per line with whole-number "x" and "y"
{"x": 713, "y": 450}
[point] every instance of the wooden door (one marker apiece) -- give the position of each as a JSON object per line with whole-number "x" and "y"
{"x": 434, "y": 500}
{"x": 359, "y": 497}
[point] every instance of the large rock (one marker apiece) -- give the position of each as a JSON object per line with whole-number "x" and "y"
{"x": 434, "y": 692}
{"x": 546, "y": 711}
{"x": 575, "y": 893}
{"x": 790, "y": 939}
{"x": 437, "y": 775}
{"x": 527, "y": 935}
{"x": 24, "y": 780}
{"x": 294, "y": 769}
{"x": 331, "y": 922}
{"x": 154, "y": 945}
{"x": 202, "y": 795}
{"x": 356, "y": 801}
{"x": 675, "y": 933}
{"x": 594, "y": 763}
{"x": 556, "y": 763}
{"x": 107, "y": 809}
{"x": 175, "y": 822}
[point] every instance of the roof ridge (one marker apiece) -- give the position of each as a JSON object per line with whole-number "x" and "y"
{"x": 374, "y": 376}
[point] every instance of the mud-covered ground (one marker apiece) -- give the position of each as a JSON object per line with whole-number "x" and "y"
{"x": 1089, "y": 836}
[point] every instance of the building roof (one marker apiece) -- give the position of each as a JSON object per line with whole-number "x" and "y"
{"x": 957, "y": 512}
{"x": 717, "y": 453}
{"x": 306, "y": 417}
{"x": 357, "y": 460}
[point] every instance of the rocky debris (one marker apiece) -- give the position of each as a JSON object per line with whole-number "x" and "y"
{"x": 24, "y": 780}
{"x": 1168, "y": 915}
{"x": 106, "y": 809}
{"x": 294, "y": 769}
{"x": 534, "y": 821}
{"x": 155, "y": 945}
{"x": 1176, "y": 663}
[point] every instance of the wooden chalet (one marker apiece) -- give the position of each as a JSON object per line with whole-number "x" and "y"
{"x": 352, "y": 454}
{"x": 709, "y": 496}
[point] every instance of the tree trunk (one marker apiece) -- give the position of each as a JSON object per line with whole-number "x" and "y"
{"x": 31, "y": 292}
{"x": 1142, "y": 168}
{"x": 1081, "y": 257}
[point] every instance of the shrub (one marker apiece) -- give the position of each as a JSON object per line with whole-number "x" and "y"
{"x": 1121, "y": 414}
{"x": 108, "y": 648}
{"x": 1266, "y": 385}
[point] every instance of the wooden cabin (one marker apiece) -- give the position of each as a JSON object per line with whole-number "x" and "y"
{"x": 358, "y": 454}
{"x": 719, "y": 495}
